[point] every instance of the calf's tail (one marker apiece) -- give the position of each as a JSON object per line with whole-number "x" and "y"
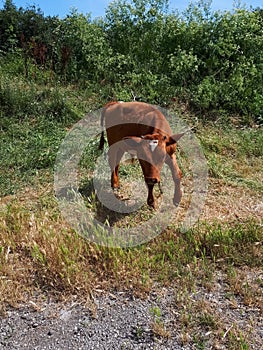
{"x": 102, "y": 119}
{"x": 102, "y": 141}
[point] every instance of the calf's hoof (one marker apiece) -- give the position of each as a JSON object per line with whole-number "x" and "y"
{"x": 177, "y": 198}
{"x": 151, "y": 204}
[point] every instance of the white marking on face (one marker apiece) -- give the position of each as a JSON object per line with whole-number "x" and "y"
{"x": 153, "y": 144}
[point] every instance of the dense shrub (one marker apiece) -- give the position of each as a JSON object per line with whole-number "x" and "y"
{"x": 211, "y": 60}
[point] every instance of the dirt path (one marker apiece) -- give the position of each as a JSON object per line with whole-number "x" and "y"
{"x": 120, "y": 321}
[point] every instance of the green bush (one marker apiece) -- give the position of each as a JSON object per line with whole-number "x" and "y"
{"x": 210, "y": 59}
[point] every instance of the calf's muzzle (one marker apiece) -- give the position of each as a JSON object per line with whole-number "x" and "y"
{"x": 151, "y": 181}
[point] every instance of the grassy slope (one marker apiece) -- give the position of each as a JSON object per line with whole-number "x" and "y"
{"x": 38, "y": 251}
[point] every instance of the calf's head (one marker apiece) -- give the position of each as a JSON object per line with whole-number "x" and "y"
{"x": 152, "y": 151}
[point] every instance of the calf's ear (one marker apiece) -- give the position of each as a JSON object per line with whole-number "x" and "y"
{"x": 174, "y": 138}
{"x": 132, "y": 141}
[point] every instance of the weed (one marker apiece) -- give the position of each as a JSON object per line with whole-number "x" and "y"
{"x": 139, "y": 331}
{"x": 208, "y": 321}
{"x": 159, "y": 329}
{"x": 156, "y": 312}
{"x": 199, "y": 342}
{"x": 157, "y": 324}
{"x": 237, "y": 341}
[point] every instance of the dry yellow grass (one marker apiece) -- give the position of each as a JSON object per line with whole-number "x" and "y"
{"x": 40, "y": 251}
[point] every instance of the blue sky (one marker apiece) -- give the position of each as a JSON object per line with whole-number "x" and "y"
{"x": 97, "y": 7}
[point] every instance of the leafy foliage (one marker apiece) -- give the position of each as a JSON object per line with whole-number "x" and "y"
{"x": 210, "y": 60}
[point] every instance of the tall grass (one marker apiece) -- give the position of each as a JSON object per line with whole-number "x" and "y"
{"x": 34, "y": 119}
{"x": 38, "y": 249}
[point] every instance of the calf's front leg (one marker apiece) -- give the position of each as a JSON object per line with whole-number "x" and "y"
{"x": 177, "y": 175}
{"x": 150, "y": 198}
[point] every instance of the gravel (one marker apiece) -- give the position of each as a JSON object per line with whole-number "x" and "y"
{"x": 121, "y": 321}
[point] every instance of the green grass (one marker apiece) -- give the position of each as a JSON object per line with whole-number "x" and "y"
{"x": 34, "y": 119}
{"x": 27, "y": 148}
{"x": 233, "y": 153}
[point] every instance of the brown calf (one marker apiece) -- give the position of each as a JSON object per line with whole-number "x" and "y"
{"x": 140, "y": 127}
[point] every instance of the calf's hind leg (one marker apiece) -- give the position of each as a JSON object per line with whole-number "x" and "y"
{"x": 115, "y": 156}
